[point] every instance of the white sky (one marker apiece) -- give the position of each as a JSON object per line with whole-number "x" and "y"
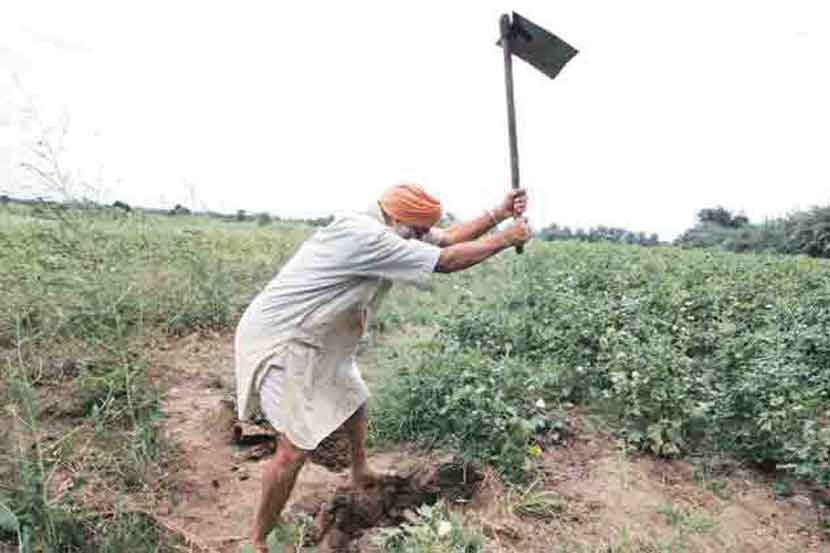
{"x": 306, "y": 108}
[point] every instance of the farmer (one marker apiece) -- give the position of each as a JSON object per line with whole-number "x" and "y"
{"x": 295, "y": 344}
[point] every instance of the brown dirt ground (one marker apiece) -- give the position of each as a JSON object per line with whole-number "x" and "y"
{"x": 216, "y": 480}
{"x": 607, "y": 500}
{"x": 614, "y": 502}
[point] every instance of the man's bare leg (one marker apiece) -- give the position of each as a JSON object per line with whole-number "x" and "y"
{"x": 278, "y": 477}
{"x": 355, "y": 428}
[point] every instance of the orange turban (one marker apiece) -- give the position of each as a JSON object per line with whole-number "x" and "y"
{"x": 411, "y": 205}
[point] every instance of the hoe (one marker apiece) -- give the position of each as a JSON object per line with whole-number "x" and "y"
{"x": 541, "y": 49}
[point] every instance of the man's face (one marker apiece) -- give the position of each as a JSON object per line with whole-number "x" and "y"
{"x": 406, "y": 231}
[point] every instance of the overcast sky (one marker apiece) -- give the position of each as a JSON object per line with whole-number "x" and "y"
{"x": 307, "y": 108}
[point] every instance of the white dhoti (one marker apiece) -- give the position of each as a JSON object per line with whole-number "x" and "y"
{"x": 307, "y": 400}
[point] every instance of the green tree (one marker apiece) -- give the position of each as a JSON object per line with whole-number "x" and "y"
{"x": 179, "y": 209}
{"x": 809, "y": 232}
{"x": 721, "y": 216}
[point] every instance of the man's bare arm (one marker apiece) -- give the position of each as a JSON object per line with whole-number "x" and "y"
{"x": 467, "y": 254}
{"x": 513, "y": 204}
{"x": 468, "y": 230}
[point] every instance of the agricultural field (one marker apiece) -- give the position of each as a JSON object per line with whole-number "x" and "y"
{"x": 608, "y": 398}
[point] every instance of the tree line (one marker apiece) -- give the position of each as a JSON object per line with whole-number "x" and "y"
{"x": 42, "y": 205}
{"x": 801, "y": 232}
{"x": 601, "y": 233}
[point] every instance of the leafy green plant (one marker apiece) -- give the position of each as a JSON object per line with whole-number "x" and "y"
{"x": 291, "y": 536}
{"x": 687, "y": 350}
{"x": 536, "y": 503}
{"x": 434, "y": 530}
{"x": 488, "y": 409}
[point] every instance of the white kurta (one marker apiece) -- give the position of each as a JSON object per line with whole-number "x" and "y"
{"x": 296, "y": 342}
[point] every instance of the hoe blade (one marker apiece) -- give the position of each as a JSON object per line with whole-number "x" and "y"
{"x": 538, "y": 47}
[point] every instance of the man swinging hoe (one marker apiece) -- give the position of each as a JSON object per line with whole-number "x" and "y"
{"x": 295, "y": 344}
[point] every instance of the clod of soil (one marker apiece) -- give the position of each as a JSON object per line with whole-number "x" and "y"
{"x": 334, "y": 452}
{"x": 250, "y": 435}
{"x": 343, "y": 519}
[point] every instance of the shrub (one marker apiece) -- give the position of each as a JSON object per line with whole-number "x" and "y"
{"x": 489, "y": 409}
{"x": 688, "y": 351}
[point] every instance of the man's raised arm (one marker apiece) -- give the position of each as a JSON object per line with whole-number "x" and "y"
{"x": 514, "y": 204}
{"x": 466, "y": 254}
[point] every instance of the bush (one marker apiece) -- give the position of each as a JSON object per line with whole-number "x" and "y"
{"x": 810, "y": 232}
{"x": 179, "y": 209}
{"x": 488, "y": 409}
{"x": 805, "y": 232}
{"x": 687, "y": 351}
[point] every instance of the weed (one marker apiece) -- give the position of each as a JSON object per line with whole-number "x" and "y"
{"x": 539, "y": 504}
{"x": 686, "y": 520}
{"x": 433, "y": 531}
{"x": 626, "y": 544}
{"x": 104, "y": 285}
{"x": 488, "y": 409}
{"x": 129, "y": 531}
{"x": 288, "y": 536}
{"x": 30, "y": 512}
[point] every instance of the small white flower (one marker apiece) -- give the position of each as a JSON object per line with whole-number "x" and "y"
{"x": 540, "y": 403}
{"x": 444, "y": 528}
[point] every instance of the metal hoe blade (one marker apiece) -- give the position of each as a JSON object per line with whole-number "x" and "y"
{"x": 540, "y": 48}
